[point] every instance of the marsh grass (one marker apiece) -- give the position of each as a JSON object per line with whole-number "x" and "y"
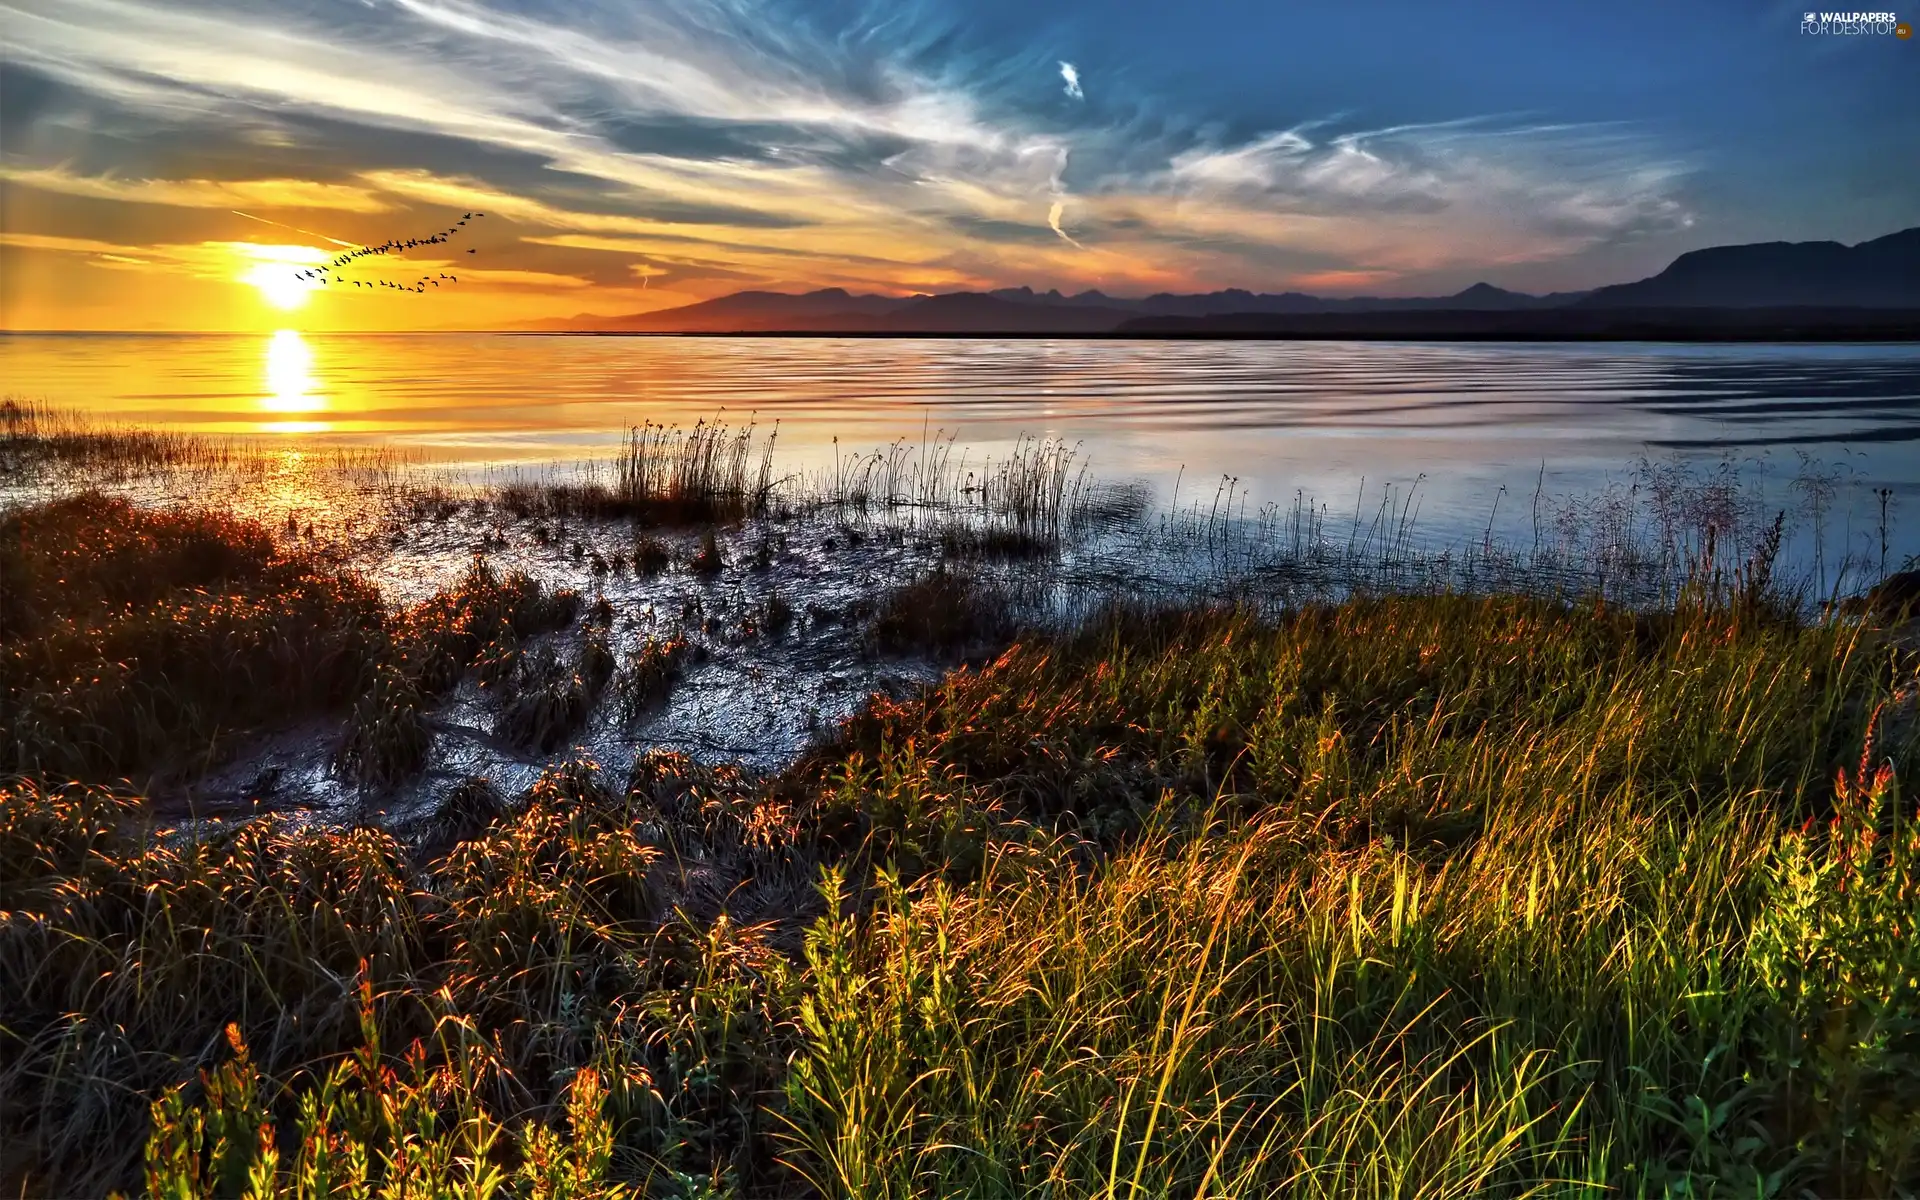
{"x": 1440, "y": 894}
{"x": 1638, "y": 540}
{"x": 1406, "y": 896}
{"x": 45, "y": 444}
{"x": 648, "y": 675}
{"x": 549, "y": 698}
{"x": 374, "y": 996}
{"x": 942, "y": 613}
{"x": 149, "y": 643}
{"x": 1437, "y": 896}
{"x": 35, "y": 437}
{"x": 1025, "y": 504}
{"x": 135, "y": 641}
{"x": 664, "y": 475}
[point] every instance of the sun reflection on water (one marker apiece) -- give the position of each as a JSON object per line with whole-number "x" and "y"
{"x": 290, "y": 385}
{"x": 290, "y": 382}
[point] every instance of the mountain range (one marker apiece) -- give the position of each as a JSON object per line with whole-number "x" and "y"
{"x": 1724, "y": 288}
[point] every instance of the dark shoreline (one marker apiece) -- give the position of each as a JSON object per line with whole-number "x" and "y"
{"x": 1572, "y": 324}
{"x": 1810, "y": 325}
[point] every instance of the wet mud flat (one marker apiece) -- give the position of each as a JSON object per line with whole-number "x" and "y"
{"x": 746, "y": 657}
{"x": 680, "y": 599}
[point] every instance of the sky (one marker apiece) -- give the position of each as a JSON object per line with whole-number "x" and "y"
{"x": 175, "y": 164}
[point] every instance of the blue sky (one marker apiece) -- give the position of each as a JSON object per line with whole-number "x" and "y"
{"x": 158, "y": 156}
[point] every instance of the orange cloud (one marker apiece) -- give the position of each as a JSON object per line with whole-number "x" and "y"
{"x": 1340, "y": 281}
{"x": 201, "y": 193}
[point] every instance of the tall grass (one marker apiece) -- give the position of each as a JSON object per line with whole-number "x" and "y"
{"x": 46, "y": 444}
{"x": 35, "y": 437}
{"x": 663, "y": 475}
{"x": 374, "y": 996}
{"x": 1427, "y": 896}
{"x": 1404, "y": 896}
{"x": 134, "y": 640}
{"x": 1027, "y": 503}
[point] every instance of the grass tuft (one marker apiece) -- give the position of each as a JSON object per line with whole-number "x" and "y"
{"x": 943, "y": 612}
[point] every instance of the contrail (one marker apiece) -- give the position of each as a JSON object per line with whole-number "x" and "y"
{"x": 283, "y": 225}
{"x": 1053, "y": 219}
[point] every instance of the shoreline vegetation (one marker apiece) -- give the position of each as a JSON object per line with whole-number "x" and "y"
{"x": 1362, "y": 868}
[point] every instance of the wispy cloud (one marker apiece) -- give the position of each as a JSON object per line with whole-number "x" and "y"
{"x": 200, "y": 193}
{"x": 1054, "y": 212}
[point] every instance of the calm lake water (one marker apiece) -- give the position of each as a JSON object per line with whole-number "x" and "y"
{"x": 1311, "y": 419}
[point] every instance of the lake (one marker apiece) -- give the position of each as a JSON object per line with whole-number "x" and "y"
{"x": 1327, "y": 421}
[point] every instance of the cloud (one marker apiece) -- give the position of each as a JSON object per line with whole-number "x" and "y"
{"x": 745, "y": 146}
{"x": 1422, "y": 197}
{"x": 1072, "y": 75}
{"x": 1053, "y": 222}
{"x": 200, "y": 193}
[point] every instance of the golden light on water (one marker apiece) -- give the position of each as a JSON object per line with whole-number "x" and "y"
{"x": 291, "y": 386}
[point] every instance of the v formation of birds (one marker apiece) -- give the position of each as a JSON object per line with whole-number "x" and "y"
{"x": 331, "y": 272}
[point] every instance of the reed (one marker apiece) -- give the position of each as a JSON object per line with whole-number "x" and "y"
{"x": 663, "y": 475}
{"x": 42, "y": 444}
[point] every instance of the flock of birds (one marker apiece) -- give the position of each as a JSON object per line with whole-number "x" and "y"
{"x": 330, "y": 273}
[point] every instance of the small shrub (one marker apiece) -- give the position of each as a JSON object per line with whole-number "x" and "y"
{"x": 649, "y": 674}
{"x": 650, "y": 555}
{"x": 707, "y": 561}
{"x": 943, "y": 612}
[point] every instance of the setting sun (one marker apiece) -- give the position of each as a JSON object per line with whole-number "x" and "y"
{"x": 276, "y": 271}
{"x": 280, "y": 285}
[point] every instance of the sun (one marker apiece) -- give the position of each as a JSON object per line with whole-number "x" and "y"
{"x": 276, "y": 271}
{"x": 280, "y": 284}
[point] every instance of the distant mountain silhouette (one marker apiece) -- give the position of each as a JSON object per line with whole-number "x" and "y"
{"x": 1569, "y": 323}
{"x": 981, "y": 312}
{"x": 1883, "y": 273}
{"x": 1004, "y": 310}
{"x": 739, "y": 312}
{"x": 1797, "y": 276}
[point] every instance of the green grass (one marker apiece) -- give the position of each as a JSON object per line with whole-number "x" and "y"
{"x": 1405, "y": 896}
{"x": 1435, "y": 896}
